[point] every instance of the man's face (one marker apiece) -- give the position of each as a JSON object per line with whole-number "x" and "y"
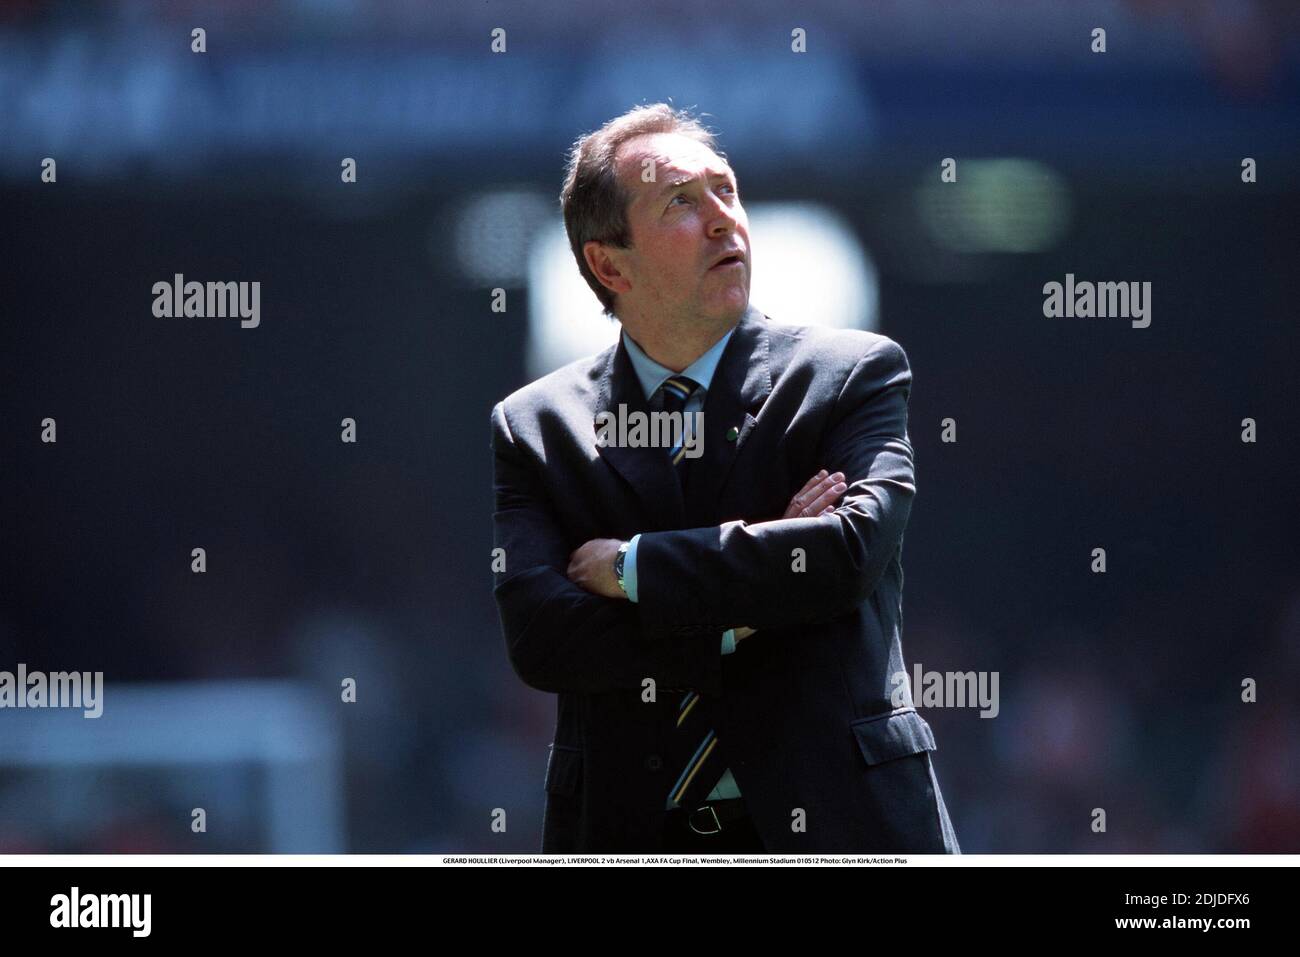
{"x": 681, "y": 224}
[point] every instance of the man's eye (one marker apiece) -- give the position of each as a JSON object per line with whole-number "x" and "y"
{"x": 683, "y": 196}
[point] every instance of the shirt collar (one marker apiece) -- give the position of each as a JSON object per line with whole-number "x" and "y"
{"x": 652, "y": 375}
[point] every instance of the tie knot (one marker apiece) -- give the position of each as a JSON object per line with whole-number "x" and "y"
{"x": 677, "y": 390}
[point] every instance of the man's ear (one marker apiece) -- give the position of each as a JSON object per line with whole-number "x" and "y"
{"x": 602, "y": 260}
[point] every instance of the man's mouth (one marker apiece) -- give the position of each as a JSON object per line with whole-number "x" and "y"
{"x": 730, "y": 261}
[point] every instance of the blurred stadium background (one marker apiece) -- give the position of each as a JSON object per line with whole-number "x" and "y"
{"x": 371, "y": 560}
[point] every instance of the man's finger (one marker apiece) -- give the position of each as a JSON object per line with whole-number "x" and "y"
{"x": 815, "y": 480}
{"x": 829, "y": 497}
{"x": 818, "y": 500}
{"x": 811, "y": 484}
{"x": 810, "y": 493}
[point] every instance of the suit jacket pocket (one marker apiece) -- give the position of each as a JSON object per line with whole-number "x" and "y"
{"x": 894, "y": 734}
{"x": 563, "y": 769}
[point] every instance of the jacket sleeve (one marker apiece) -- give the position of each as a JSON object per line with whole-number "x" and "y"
{"x": 560, "y": 637}
{"x": 629, "y": 583}
{"x": 742, "y": 573}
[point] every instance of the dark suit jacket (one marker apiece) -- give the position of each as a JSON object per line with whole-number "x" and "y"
{"x": 803, "y": 712}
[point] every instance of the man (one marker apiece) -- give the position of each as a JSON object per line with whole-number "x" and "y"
{"x": 722, "y": 631}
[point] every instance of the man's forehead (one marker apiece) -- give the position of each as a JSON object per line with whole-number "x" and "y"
{"x": 675, "y": 158}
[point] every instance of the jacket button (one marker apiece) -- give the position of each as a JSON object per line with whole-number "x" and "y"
{"x": 654, "y": 763}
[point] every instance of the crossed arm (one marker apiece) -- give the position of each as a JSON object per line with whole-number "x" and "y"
{"x": 591, "y": 566}
{"x": 564, "y": 634}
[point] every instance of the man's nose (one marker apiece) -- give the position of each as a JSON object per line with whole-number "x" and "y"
{"x": 724, "y": 219}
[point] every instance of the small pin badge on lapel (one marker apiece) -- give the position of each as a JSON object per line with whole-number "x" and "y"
{"x": 732, "y": 434}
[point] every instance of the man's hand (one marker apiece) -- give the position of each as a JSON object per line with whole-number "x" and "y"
{"x": 818, "y": 497}
{"x": 592, "y": 567}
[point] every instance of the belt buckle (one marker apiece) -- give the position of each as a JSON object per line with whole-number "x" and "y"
{"x": 717, "y": 825}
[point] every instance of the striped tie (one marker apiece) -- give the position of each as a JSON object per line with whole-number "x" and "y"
{"x": 676, "y": 393}
{"x": 695, "y": 745}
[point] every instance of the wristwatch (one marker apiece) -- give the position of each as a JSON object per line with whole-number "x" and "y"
{"x": 618, "y": 565}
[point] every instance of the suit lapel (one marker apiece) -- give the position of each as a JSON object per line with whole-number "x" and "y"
{"x": 648, "y": 470}
{"x": 740, "y": 384}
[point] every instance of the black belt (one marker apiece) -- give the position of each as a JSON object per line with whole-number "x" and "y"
{"x": 711, "y": 817}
